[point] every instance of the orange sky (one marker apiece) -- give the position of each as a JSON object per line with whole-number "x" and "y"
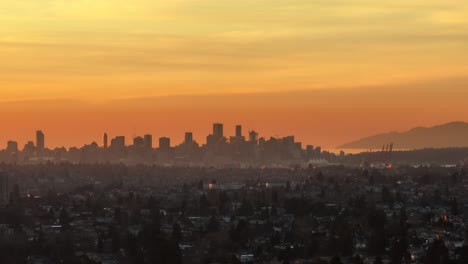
{"x": 327, "y": 71}
{"x": 326, "y": 117}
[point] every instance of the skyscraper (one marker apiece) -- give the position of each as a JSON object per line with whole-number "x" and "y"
{"x": 188, "y": 137}
{"x": 40, "y": 140}
{"x": 238, "y": 131}
{"x": 164, "y": 143}
{"x": 138, "y": 142}
{"x": 218, "y": 130}
{"x": 12, "y": 147}
{"x": 4, "y": 190}
{"x": 105, "y": 141}
{"x": 118, "y": 143}
{"x": 148, "y": 141}
{"x": 253, "y": 137}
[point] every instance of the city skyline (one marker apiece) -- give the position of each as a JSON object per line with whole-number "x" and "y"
{"x": 146, "y": 139}
{"x": 328, "y": 71}
{"x": 332, "y": 117}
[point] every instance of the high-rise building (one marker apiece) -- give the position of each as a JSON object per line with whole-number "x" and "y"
{"x": 318, "y": 150}
{"x": 118, "y": 143}
{"x": 253, "y": 137}
{"x": 105, "y": 141}
{"x": 164, "y": 143}
{"x": 238, "y": 131}
{"x": 40, "y": 140}
{"x": 148, "y": 141}
{"x": 4, "y": 189}
{"x": 138, "y": 142}
{"x": 289, "y": 140}
{"x": 310, "y": 151}
{"x": 188, "y": 137}
{"x": 218, "y": 130}
{"x": 29, "y": 148}
{"x": 12, "y": 147}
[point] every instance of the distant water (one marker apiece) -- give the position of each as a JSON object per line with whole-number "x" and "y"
{"x": 355, "y": 151}
{"x": 346, "y": 151}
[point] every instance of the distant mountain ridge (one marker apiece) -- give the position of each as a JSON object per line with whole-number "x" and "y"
{"x": 454, "y": 134}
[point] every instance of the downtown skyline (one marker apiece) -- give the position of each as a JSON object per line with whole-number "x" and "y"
{"x": 149, "y": 142}
{"x": 327, "y": 71}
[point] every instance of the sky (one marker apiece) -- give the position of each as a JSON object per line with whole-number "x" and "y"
{"x": 329, "y": 71}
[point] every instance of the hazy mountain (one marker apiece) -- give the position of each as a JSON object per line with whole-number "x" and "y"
{"x": 453, "y": 134}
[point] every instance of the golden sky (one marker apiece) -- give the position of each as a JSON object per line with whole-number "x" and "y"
{"x": 53, "y": 52}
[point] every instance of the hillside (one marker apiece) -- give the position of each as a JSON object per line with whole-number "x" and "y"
{"x": 453, "y": 134}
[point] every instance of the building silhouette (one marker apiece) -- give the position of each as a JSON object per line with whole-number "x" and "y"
{"x": 218, "y": 131}
{"x": 188, "y": 138}
{"x": 218, "y": 149}
{"x": 138, "y": 142}
{"x": 40, "y": 141}
{"x": 148, "y": 141}
{"x": 4, "y": 189}
{"x": 118, "y": 143}
{"x": 238, "y": 131}
{"x": 253, "y": 137}
{"x": 12, "y": 147}
{"x": 164, "y": 144}
{"x": 105, "y": 139}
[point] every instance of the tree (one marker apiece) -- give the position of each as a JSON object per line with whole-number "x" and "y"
{"x": 15, "y": 194}
{"x": 204, "y": 204}
{"x": 387, "y": 197}
{"x": 377, "y": 220}
{"x": 176, "y": 232}
{"x": 223, "y": 200}
{"x": 358, "y": 260}
{"x": 246, "y": 208}
{"x": 335, "y": 260}
{"x": 241, "y": 233}
{"x": 288, "y": 186}
{"x": 213, "y": 225}
{"x": 437, "y": 253}
{"x": 378, "y": 260}
{"x": 454, "y": 206}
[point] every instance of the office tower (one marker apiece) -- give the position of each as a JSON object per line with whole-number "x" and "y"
{"x": 188, "y": 137}
{"x": 4, "y": 190}
{"x": 118, "y": 142}
{"x": 29, "y": 148}
{"x": 148, "y": 141}
{"x": 164, "y": 143}
{"x": 310, "y": 151}
{"x": 298, "y": 145}
{"x": 289, "y": 140}
{"x": 253, "y": 137}
{"x": 105, "y": 141}
{"x": 12, "y": 147}
{"x": 318, "y": 150}
{"x": 238, "y": 131}
{"x": 138, "y": 142}
{"x": 218, "y": 130}
{"x": 40, "y": 141}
